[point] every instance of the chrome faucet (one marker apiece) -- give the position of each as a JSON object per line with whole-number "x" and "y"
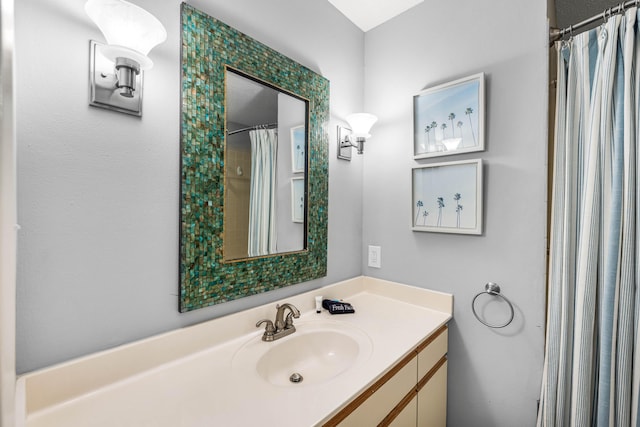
{"x": 283, "y": 325}
{"x": 280, "y": 322}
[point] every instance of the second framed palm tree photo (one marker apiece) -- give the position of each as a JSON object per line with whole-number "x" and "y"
{"x": 447, "y": 197}
{"x": 449, "y": 118}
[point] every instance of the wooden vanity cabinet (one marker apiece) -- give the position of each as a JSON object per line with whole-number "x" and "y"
{"x": 413, "y": 392}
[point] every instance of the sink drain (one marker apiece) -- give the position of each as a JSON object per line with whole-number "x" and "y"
{"x": 295, "y": 378}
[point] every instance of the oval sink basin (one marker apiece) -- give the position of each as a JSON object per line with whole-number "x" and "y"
{"x": 317, "y": 351}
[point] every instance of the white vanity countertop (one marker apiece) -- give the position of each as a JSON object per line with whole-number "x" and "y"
{"x": 163, "y": 381}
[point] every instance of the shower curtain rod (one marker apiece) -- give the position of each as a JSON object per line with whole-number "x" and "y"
{"x": 265, "y": 126}
{"x": 556, "y": 34}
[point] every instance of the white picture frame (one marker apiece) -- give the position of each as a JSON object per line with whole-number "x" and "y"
{"x": 450, "y": 118}
{"x": 297, "y": 200}
{"x": 447, "y": 197}
{"x": 298, "y": 146}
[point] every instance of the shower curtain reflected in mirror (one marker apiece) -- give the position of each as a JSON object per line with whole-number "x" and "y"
{"x": 262, "y": 204}
{"x": 592, "y": 355}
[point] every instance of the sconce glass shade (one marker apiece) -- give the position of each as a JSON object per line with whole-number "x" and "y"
{"x": 360, "y": 124}
{"x": 130, "y": 31}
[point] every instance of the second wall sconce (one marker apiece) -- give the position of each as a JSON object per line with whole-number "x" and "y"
{"x": 360, "y": 125}
{"x": 116, "y": 68}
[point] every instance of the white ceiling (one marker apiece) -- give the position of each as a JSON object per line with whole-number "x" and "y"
{"x": 248, "y": 102}
{"x": 368, "y": 14}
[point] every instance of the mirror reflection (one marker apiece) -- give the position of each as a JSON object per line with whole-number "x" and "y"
{"x": 265, "y": 169}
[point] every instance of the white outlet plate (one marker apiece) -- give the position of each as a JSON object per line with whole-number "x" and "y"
{"x": 375, "y": 256}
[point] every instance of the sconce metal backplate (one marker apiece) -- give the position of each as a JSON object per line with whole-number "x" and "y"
{"x": 344, "y": 153}
{"x": 103, "y": 92}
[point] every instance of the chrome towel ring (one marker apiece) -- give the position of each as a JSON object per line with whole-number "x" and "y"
{"x": 492, "y": 289}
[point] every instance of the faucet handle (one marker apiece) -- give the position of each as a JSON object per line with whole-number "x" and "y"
{"x": 294, "y": 311}
{"x": 269, "y": 330}
{"x": 269, "y": 327}
{"x": 288, "y": 324}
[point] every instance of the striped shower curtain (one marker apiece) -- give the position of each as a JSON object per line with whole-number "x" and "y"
{"x": 262, "y": 203}
{"x": 592, "y": 354}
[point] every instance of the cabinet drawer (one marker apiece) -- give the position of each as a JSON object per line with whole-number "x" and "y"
{"x": 431, "y": 351}
{"x": 407, "y": 418}
{"x": 381, "y": 401}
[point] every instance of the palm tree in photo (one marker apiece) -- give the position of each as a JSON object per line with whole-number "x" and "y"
{"x": 451, "y": 117}
{"x": 434, "y": 125}
{"x": 419, "y": 204}
{"x": 469, "y": 112}
{"x": 457, "y": 198}
{"x": 427, "y": 131}
{"x": 458, "y": 211}
{"x": 460, "y": 127}
{"x": 443, "y": 127}
{"x": 440, "y": 201}
{"x": 425, "y": 214}
{"x": 300, "y": 159}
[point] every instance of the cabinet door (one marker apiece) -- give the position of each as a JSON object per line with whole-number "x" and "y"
{"x": 432, "y": 400}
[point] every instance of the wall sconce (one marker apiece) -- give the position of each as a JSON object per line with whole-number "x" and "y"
{"x": 360, "y": 124}
{"x": 116, "y": 68}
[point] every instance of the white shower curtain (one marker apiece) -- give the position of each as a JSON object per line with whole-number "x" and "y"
{"x": 262, "y": 205}
{"x": 592, "y": 361}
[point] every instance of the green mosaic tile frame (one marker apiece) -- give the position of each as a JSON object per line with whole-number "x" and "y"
{"x": 209, "y": 45}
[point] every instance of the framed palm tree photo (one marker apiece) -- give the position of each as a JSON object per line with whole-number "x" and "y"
{"x": 297, "y": 199}
{"x": 449, "y": 118}
{"x": 447, "y": 197}
{"x": 297, "y": 149}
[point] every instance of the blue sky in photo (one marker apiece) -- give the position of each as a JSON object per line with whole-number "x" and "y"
{"x": 445, "y": 181}
{"x": 436, "y": 106}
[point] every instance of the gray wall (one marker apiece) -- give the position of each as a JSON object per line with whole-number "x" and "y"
{"x": 291, "y": 113}
{"x": 494, "y": 375}
{"x": 98, "y": 191}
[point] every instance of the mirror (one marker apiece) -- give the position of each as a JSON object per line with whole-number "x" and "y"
{"x": 265, "y": 163}
{"x": 209, "y": 272}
